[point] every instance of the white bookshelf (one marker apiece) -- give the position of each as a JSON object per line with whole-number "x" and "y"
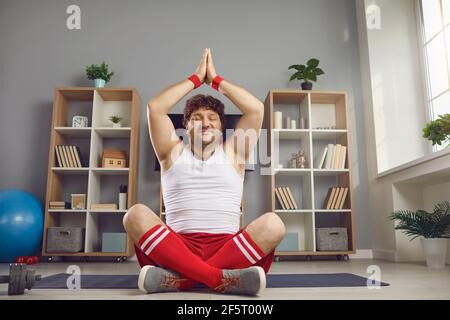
{"x": 101, "y": 185}
{"x": 325, "y": 115}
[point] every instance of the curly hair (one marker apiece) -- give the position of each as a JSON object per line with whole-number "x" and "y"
{"x": 204, "y": 101}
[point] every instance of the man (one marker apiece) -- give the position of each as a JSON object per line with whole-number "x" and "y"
{"x": 202, "y": 185}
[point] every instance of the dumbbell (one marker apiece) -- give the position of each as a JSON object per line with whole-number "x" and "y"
{"x": 19, "y": 279}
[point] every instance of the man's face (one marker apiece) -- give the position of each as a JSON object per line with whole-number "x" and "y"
{"x": 204, "y": 125}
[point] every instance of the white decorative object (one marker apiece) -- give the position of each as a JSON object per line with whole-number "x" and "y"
{"x": 79, "y": 121}
{"x": 117, "y": 125}
{"x": 122, "y": 201}
{"x": 302, "y": 123}
{"x": 288, "y": 122}
{"x": 277, "y": 117}
{"x": 435, "y": 250}
{"x": 293, "y": 124}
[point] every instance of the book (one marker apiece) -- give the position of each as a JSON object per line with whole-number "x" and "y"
{"x": 331, "y": 197}
{"x": 321, "y": 159}
{"x": 283, "y": 197}
{"x": 72, "y": 156}
{"x": 58, "y": 157}
{"x": 293, "y": 198}
{"x": 329, "y": 156}
{"x": 105, "y": 206}
{"x": 327, "y": 198}
{"x": 63, "y": 159}
{"x": 76, "y": 156}
{"x": 337, "y": 157}
{"x": 288, "y": 197}
{"x": 339, "y": 198}
{"x": 344, "y": 196}
{"x": 277, "y": 193}
{"x": 343, "y": 157}
{"x": 80, "y": 157}
{"x": 66, "y": 156}
{"x": 336, "y": 193}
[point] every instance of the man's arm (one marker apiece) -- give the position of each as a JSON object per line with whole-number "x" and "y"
{"x": 247, "y": 131}
{"x": 161, "y": 129}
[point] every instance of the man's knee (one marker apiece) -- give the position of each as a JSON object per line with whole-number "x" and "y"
{"x": 274, "y": 227}
{"x": 137, "y": 216}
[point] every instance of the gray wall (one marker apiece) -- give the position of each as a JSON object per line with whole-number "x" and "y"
{"x": 152, "y": 44}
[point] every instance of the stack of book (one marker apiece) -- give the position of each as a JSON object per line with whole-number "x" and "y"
{"x": 332, "y": 157}
{"x": 335, "y": 199}
{"x": 286, "y": 198}
{"x": 68, "y": 156}
{"x": 103, "y": 206}
{"x": 59, "y": 205}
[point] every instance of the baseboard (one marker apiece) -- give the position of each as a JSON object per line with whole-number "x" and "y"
{"x": 389, "y": 255}
{"x": 362, "y": 254}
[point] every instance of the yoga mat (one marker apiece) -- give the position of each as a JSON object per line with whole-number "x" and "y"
{"x": 59, "y": 281}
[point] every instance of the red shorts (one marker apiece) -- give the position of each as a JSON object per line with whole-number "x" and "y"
{"x": 204, "y": 245}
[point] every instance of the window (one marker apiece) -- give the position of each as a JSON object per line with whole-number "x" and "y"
{"x": 435, "y": 27}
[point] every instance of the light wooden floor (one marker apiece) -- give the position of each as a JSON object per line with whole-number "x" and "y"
{"x": 408, "y": 281}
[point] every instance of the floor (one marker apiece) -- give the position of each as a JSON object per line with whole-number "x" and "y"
{"x": 407, "y": 281}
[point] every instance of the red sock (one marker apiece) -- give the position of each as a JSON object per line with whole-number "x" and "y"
{"x": 165, "y": 248}
{"x": 237, "y": 253}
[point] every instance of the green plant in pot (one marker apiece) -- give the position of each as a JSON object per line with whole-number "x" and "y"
{"x": 438, "y": 131}
{"x": 307, "y": 73}
{"x": 116, "y": 121}
{"x": 432, "y": 227}
{"x": 99, "y": 73}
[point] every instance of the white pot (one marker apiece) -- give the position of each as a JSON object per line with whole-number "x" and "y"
{"x": 435, "y": 250}
{"x": 117, "y": 125}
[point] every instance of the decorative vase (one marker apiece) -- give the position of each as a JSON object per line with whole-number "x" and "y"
{"x": 122, "y": 201}
{"x": 307, "y": 85}
{"x": 117, "y": 125}
{"x": 435, "y": 250}
{"x": 99, "y": 83}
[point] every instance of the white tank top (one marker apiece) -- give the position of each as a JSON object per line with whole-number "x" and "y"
{"x": 202, "y": 196}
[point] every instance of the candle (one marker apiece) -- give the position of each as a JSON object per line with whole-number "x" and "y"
{"x": 293, "y": 124}
{"x": 277, "y": 120}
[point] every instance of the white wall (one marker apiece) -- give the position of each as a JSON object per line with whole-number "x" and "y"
{"x": 399, "y": 108}
{"x": 395, "y": 113}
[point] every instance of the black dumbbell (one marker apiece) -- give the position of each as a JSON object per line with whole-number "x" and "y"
{"x": 19, "y": 279}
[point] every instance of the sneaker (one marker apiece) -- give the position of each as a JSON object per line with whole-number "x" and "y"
{"x": 249, "y": 281}
{"x": 155, "y": 279}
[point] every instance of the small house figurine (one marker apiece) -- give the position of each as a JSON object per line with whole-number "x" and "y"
{"x": 114, "y": 158}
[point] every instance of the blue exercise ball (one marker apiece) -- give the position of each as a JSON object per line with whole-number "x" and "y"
{"x": 21, "y": 224}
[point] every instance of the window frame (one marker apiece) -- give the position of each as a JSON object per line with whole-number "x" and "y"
{"x": 426, "y": 83}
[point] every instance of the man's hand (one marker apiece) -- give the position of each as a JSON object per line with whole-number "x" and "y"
{"x": 210, "y": 69}
{"x": 201, "y": 69}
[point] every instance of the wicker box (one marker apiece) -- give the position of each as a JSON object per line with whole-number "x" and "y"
{"x": 65, "y": 240}
{"x": 332, "y": 239}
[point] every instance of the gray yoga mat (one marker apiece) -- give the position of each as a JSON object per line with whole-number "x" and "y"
{"x": 59, "y": 281}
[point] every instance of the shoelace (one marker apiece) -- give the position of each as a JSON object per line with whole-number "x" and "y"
{"x": 228, "y": 281}
{"x": 172, "y": 281}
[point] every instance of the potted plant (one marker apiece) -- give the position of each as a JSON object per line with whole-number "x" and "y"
{"x": 433, "y": 227}
{"x": 99, "y": 73}
{"x": 115, "y": 119}
{"x": 306, "y": 73}
{"x": 438, "y": 131}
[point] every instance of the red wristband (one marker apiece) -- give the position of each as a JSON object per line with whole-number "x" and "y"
{"x": 195, "y": 80}
{"x": 216, "y": 82}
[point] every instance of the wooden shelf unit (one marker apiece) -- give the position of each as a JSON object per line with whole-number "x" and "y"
{"x": 309, "y": 185}
{"x": 97, "y": 104}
